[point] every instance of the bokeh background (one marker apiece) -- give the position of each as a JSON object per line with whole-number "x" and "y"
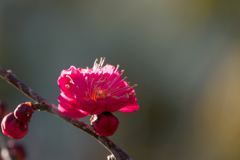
{"x": 183, "y": 54}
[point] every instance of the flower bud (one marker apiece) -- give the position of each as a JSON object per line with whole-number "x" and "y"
{"x": 105, "y": 124}
{"x": 16, "y": 150}
{"x": 13, "y": 128}
{"x": 3, "y": 110}
{"x": 24, "y": 112}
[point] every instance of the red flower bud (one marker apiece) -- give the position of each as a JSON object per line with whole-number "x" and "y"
{"x": 105, "y": 124}
{"x": 14, "y": 128}
{"x": 24, "y": 112}
{"x": 3, "y": 110}
{"x": 16, "y": 150}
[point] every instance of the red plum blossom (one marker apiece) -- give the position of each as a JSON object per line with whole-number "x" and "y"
{"x": 92, "y": 91}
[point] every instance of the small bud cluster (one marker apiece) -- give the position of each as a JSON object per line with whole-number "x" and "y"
{"x": 15, "y": 124}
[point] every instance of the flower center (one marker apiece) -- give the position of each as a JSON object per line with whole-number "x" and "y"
{"x": 98, "y": 94}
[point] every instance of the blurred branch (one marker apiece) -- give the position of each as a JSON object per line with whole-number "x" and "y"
{"x": 43, "y": 104}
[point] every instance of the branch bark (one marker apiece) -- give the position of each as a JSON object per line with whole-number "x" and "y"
{"x": 43, "y": 105}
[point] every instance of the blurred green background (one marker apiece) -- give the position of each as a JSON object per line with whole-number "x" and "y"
{"x": 183, "y": 54}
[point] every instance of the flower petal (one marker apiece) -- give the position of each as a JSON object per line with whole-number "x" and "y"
{"x": 129, "y": 108}
{"x": 94, "y": 109}
{"x": 68, "y": 110}
{"x": 63, "y": 97}
{"x": 112, "y": 108}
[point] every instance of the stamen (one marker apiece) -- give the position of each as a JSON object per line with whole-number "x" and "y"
{"x": 95, "y": 63}
{"x": 135, "y": 85}
{"x": 105, "y": 85}
{"x": 117, "y": 68}
{"x": 101, "y": 62}
{"x": 121, "y": 90}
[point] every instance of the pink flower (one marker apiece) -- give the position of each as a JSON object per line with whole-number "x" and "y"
{"x": 105, "y": 124}
{"x": 94, "y": 91}
{"x": 14, "y": 128}
{"x": 24, "y": 112}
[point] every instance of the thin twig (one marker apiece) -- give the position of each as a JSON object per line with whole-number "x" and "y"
{"x": 43, "y": 104}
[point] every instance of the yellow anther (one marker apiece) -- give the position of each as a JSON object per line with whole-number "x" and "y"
{"x": 67, "y": 86}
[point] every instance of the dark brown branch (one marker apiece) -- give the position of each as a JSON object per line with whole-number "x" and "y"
{"x": 43, "y": 104}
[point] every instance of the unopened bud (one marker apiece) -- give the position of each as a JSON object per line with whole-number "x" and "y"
{"x": 24, "y": 112}
{"x": 13, "y": 128}
{"x": 105, "y": 124}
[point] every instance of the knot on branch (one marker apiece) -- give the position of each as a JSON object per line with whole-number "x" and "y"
{"x": 40, "y": 106}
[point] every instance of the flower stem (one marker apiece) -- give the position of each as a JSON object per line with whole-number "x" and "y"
{"x": 43, "y": 105}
